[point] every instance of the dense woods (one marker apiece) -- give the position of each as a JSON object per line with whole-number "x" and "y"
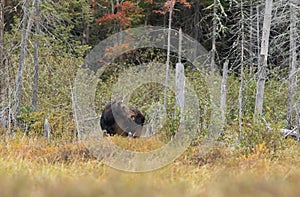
{"x": 253, "y": 46}
{"x": 42, "y": 39}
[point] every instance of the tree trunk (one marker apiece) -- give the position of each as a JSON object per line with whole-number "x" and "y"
{"x": 264, "y": 59}
{"x": 240, "y": 98}
{"x": 168, "y": 56}
{"x": 112, "y": 6}
{"x": 292, "y": 62}
{"x": 74, "y": 105}
{"x": 298, "y": 121}
{"x": 224, "y": 91}
{"x": 2, "y": 63}
{"x": 258, "y": 33}
{"x": 196, "y": 27}
{"x": 214, "y": 33}
{"x": 19, "y": 80}
{"x": 180, "y": 78}
{"x": 197, "y": 20}
{"x": 86, "y": 32}
{"x": 2, "y": 33}
{"x": 36, "y": 54}
{"x": 180, "y": 87}
{"x": 251, "y": 37}
{"x": 47, "y": 130}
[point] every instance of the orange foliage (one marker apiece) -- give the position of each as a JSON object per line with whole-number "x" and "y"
{"x": 166, "y": 7}
{"x": 119, "y": 17}
{"x": 112, "y": 51}
{"x": 126, "y": 13}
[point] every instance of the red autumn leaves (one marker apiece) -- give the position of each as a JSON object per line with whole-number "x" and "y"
{"x": 127, "y": 13}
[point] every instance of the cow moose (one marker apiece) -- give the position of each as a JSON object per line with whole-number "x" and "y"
{"x": 118, "y": 119}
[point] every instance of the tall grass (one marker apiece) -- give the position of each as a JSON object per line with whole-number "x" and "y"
{"x": 31, "y": 167}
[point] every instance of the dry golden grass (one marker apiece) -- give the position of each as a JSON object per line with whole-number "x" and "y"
{"x": 31, "y": 167}
{"x": 137, "y": 144}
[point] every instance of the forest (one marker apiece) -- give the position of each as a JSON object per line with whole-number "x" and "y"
{"x": 217, "y": 82}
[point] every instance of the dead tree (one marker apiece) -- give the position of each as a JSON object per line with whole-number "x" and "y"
{"x": 224, "y": 90}
{"x": 214, "y": 34}
{"x": 168, "y": 55}
{"x": 2, "y": 64}
{"x": 260, "y": 87}
{"x": 19, "y": 80}
{"x": 36, "y": 54}
{"x": 292, "y": 62}
{"x": 242, "y": 75}
{"x": 180, "y": 79}
{"x": 47, "y": 131}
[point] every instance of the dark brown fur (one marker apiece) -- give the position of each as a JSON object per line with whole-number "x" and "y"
{"x": 118, "y": 119}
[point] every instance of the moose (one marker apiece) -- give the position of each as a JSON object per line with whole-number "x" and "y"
{"x": 118, "y": 119}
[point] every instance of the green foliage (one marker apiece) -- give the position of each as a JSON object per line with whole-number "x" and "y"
{"x": 275, "y": 102}
{"x": 61, "y": 124}
{"x": 253, "y": 133}
{"x": 199, "y": 82}
{"x": 31, "y": 122}
{"x": 62, "y": 23}
{"x": 173, "y": 122}
{"x": 275, "y": 96}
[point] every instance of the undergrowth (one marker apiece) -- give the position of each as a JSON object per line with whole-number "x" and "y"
{"x": 32, "y": 166}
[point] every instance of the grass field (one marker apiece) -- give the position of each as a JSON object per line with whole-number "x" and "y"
{"x": 31, "y": 167}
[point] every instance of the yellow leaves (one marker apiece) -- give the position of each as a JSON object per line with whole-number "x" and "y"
{"x": 260, "y": 149}
{"x": 257, "y": 159}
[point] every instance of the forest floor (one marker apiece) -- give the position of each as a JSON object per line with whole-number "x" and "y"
{"x": 29, "y": 166}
